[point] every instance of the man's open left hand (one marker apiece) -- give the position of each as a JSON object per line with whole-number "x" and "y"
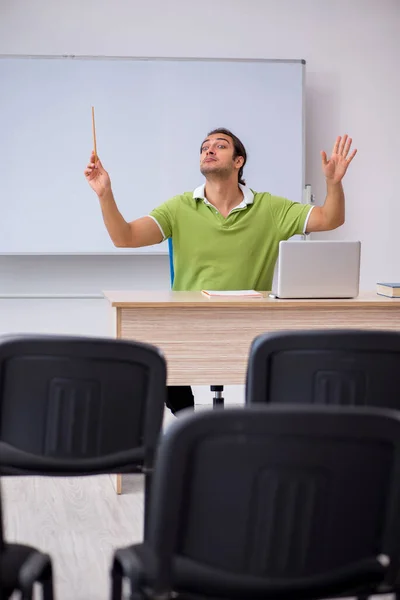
{"x": 335, "y": 168}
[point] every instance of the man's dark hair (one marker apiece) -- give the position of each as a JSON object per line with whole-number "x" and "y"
{"x": 239, "y": 149}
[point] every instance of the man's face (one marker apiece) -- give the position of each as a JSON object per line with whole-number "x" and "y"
{"x": 216, "y": 156}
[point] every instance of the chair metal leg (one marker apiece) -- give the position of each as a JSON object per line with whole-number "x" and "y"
{"x": 117, "y": 580}
{"x": 116, "y": 585}
{"x": 37, "y": 568}
{"x": 147, "y": 491}
{"x": 47, "y": 587}
{"x": 218, "y": 399}
{"x": 125, "y": 566}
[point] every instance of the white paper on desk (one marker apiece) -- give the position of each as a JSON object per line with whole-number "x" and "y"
{"x": 232, "y": 293}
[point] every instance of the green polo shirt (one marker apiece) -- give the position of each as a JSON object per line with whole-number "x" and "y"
{"x": 238, "y": 252}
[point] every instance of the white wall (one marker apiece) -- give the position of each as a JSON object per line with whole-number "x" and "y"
{"x": 352, "y": 49}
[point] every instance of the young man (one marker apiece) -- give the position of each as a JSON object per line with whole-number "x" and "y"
{"x": 225, "y": 236}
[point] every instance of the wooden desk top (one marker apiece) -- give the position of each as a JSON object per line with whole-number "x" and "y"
{"x": 162, "y": 299}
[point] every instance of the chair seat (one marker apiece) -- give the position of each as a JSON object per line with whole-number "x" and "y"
{"x": 12, "y": 558}
{"x": 193, "y": 579}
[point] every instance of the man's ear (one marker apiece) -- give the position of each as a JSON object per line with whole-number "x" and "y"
{"x": 239, "y": 161}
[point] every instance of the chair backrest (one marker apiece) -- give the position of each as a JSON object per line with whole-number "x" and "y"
{"x": 2, "y": 543}
{"x": 264, "y": 492}
{"x": 347, "y": 367}
{"x": 79, "y": 405}
{"x": 171, "y": 261}
{"x": 5, "y": 592}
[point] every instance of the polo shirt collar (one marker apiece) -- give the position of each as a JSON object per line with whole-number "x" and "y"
{"x": 248, "y": 195}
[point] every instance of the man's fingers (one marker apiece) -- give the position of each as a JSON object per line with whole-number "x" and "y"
{"x": 94, "y": 167}
{"x": 342, "y": 145}
{"x": 94, "y": 158}
{"x": 336, "y": 145}
{"x": 324, "y": 157}
{"x": 346, "y": 147}
{"x": 352, "y": 155}
{"x": 90, "y": 168}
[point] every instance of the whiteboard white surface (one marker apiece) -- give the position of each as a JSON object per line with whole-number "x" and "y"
{"x": 151, "y": 117}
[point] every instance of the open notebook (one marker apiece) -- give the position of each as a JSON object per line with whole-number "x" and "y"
{"x": 247, "y": 293}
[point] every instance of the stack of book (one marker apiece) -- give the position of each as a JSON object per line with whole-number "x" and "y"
{"x": 392, "y": 290}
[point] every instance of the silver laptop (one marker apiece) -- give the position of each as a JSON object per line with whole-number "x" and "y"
{"x": 318, "y": 269}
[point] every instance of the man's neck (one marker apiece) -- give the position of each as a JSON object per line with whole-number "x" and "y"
{"x": 224, "y": 195}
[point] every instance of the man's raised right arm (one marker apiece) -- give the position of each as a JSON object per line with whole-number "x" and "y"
{"x": 141, "y": 232}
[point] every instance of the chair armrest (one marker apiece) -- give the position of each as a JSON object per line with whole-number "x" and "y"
{"x": 33, "y": 570}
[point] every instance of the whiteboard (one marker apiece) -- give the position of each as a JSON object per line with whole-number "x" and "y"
{"x": 151, "y": 117}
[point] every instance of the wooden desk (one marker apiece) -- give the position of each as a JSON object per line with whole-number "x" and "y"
{"x": 206, "y": 340}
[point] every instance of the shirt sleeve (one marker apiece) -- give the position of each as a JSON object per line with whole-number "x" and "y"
{"x": 290, "y": 217}
{"x": 164, "y": 216}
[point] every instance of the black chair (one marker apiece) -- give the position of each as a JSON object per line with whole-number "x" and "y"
{"x": 271, "y": 502}
{"x": 347, "y": 367}
{"x": 80, "y": 406}
{"x": 21, "y": 567}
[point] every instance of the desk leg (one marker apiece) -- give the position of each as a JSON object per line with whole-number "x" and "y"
{"x": 118, "y": 484}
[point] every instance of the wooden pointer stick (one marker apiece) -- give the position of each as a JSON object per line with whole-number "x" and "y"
{"x": 94, "y": 136}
